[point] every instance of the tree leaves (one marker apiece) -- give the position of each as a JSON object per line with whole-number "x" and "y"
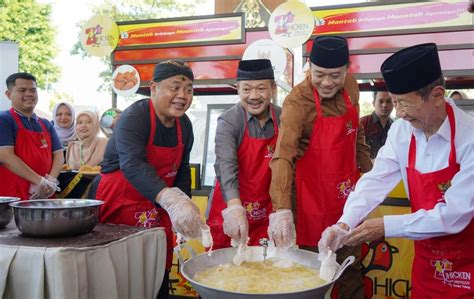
{"x": 29, "y": 24}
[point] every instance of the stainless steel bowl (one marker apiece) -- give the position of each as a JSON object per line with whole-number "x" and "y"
{"x": 6, "y": 212}
{"x": 56, "y": 217}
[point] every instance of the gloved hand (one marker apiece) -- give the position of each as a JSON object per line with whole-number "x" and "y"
{"x": 184, "y": 214}
{"x": 44, "y": 189}
{"x": 332, "y": 239}
{"x": 235, "y": 224}
{"x": 281, "y": 228}
{"x": 52, "y": 179}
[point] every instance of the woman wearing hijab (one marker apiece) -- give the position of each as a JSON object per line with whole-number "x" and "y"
{"x": 88, "y": 148}
{"x": 64, "y": 116}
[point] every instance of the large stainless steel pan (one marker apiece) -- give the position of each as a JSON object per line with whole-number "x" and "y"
{"x": 224, "y": 256}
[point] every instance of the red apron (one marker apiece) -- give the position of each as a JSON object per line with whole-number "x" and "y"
{"x": 125, "y": 205}
{"x": 253, "y": 157}
{"x": 326, "y": 173}
{"x": 34, "y": 149}
{"x": 443, "y": 266}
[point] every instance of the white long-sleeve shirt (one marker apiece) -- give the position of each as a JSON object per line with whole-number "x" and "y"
{"x": 449, "y": 217}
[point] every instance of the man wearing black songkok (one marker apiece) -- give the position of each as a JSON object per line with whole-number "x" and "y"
{"x": 431, "y": 149}
{"x": 145, "y": 178}
{"x": 321, "y": 151}
{"x": 245, "y": 140}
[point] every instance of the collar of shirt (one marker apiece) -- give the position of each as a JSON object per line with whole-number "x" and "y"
{"x": 250, "y": 117}
{"x": 443, "y": 132}
{"x": 34, "y": 116}
{"x": 376, "y": 119}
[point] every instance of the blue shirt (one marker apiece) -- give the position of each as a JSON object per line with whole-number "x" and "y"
{"x": 9, "y": 129}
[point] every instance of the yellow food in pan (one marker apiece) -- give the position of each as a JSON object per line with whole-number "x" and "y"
{"x": 266, "y": 277}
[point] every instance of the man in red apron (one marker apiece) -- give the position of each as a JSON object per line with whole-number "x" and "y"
{"x": 431, "y": 149}
{"x": 31, "y": 154}
{"x": 246, "y": 135}
{"x": 145, "y": 178}
{"x": 319, "y": 137}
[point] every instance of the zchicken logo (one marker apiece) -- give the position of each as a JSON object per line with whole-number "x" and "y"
{"x": 92, "y": 35}
{"x": 146, "y": 218}
{"x": 456, "y": 279}
{"x": 283, "y": 23}
{"x": 345, "y": 188}
{"x": 254, "y": 211}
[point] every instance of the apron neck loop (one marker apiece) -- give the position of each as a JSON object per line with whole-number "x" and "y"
{"x": 151, "y": 137}
{"x": 452, "y": 153}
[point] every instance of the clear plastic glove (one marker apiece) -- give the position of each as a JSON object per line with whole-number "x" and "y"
{"x": 52, "y": 179}
{"x": 184, "y": 214}
{"x": 235, "y": 224}
{"x": 332, "y": 239}
{"x": 243, "y": 253}
{"x": 329, "y": 266}
{"x": 45, "y": 189}
{"x": 281, "y": 228}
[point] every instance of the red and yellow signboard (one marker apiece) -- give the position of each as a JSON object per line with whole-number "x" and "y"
{"x": 182, "y": 32}
{"x": 392, "y": 17}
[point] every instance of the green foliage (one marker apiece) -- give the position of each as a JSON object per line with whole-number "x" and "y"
{"x": 28, "y": 24}
{"x": 59, "y": 97}
{"x": 128, "y": 10}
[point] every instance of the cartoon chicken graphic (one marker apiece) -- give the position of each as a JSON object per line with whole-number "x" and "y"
{"x": 382, "y": 259}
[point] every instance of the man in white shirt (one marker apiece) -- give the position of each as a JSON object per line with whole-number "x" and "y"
{"x": 432, "y": 149}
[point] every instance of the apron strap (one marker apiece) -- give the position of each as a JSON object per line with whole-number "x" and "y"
{"x": 347, "y": 99}
{"x": 412, "y": 152}
{"x": 275, "y": 125}
{"x": 151, "y": 137}
{"x": 16, "y": 118}
{"x": 317, "y": 101}
{"x": 452, "y": 126}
